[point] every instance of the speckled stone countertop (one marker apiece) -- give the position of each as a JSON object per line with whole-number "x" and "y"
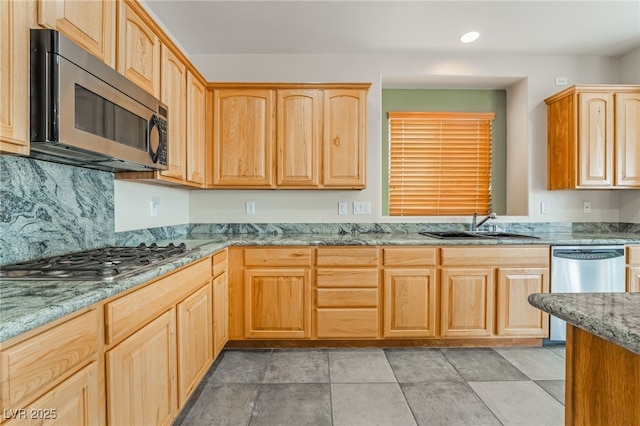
{"x": 25, "y": 305}
{"x": 614, "y": 317}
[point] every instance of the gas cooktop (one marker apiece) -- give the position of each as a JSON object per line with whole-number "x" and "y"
{"x": 105, "y": 264}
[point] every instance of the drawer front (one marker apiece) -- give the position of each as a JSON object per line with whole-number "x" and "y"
{"x": 347, "y": 256}
{"x": 125, "y": 315}
{"x": 409, "y": 256}
{"x": 340, "y": 278}
{"x": 495, "y": 256}
{"x": 220, "y": 263}
{"x": 633, "y": 255}
{"x": 347, "y": 297}
{"x": 347, "y": 323}
{"x": 276, "y": 256}
{"x": 32, "y": 367}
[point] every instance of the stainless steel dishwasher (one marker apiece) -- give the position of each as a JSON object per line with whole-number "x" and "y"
{"x": 584, "y": 269}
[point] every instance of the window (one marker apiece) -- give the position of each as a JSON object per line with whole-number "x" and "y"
{"x": 439, "y": 163}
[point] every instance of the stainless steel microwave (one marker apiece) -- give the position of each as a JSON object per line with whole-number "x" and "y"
{"x": 85, "y": 113}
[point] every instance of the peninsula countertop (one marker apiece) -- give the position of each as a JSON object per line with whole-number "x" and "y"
{"x": 614, "y": 317}
{"x": 25, "y": 305}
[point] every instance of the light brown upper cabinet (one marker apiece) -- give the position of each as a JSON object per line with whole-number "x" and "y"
{"x": 16, "y": 17}
{"x": 91, "y": 24}
{"x": 138, "y": 48}
{"x": 288, "y": 135}
{"x": 594, "y": 137}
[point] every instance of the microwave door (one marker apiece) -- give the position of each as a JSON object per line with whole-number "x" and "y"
{"x": 97, "y": 118}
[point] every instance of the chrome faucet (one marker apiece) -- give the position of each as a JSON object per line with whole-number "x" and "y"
{"x": 475, "y": 224}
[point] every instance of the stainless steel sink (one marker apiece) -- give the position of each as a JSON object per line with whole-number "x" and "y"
{"x": 446, "y": 235}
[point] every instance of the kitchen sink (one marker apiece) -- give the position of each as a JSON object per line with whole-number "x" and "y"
{"x": 446, "y": 235}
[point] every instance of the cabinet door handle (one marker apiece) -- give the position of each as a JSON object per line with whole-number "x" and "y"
{"x": 336, "y": 141}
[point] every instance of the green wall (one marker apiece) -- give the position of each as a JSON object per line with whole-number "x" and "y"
{"x": 449, "y": 100}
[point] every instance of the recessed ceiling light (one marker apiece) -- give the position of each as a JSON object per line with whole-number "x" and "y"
{"x": 469, "y": 37}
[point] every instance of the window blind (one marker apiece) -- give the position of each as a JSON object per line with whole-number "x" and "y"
{"x": 440, "y": 163}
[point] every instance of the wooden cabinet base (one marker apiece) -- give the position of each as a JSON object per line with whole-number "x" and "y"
{"x": 602, "y": 383}
{"x": 383, "y": 343}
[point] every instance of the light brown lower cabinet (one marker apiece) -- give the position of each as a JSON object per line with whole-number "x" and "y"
{"x": 141, "y": 375}
{"x": 410, "y": 302}
{"x": 515, "y": 316}
{"x": 220, "y": 302}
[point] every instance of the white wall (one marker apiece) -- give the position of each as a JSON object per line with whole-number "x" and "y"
{"x": 630, "y": 67}
{"x": 538, "y": 73}
{"x": 132, "y": 206}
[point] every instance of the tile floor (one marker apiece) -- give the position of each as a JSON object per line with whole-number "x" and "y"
{"x": 387, "y": 387}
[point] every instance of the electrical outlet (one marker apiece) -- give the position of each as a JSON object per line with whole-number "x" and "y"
{"x": 586, "y": 207}
{"x": 153, "y": 206}
{"x": 250, "y": 207}
{"x": 362, "y": 207}
{"x": 544, "y": 207}
{"x": 561, "y": 81}
{"x": 342, "y": 208}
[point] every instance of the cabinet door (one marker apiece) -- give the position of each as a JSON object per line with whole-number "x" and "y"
{"x": 409, "y": 303}
{"x": 141, "y": 374}
{"x": 195, "y": 140}
{"x": 277, "y": 303}
{"x": 73, "y": 402}
{"x": 299, "y": 115}
{"x": 633, "y": 278}
{"x": 91, "y": 24}
{"x": 515, "y": 316}
{"x": 243, "y": 137}
{"x": 344, "y": 138}
{"x": 174, "y": 95}
{"x": 595, "y": 139}
{"x": 627, "y": 139}
{"x": 467, "y": 302}
{"x": 195, "y": 340}
{"x": 220, "y": 313}
{"x": 138, "y": 50}
{"x": 15, "y": 21}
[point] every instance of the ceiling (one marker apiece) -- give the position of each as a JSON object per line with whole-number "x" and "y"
{"x": 507, "y": 27}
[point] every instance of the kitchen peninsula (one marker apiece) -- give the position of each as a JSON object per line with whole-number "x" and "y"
{"x": 603, "y": 355}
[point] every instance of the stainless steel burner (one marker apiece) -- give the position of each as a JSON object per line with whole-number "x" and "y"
{"x": 104, "y": 264}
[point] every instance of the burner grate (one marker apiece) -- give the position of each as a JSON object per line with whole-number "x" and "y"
{"x": 106, "y": 263}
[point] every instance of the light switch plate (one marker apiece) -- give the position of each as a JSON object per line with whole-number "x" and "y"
{"x": 342, "y": 208}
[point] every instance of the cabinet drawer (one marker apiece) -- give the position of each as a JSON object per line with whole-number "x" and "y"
{"x": 270, "y": 256}
{"x": 409, "y": 256}
{"x": 633, "y": 255}
{"x": 347, "y": 278}
{"x": 495, "y": 256}
{"x": 347, "y": 323}
{"x": 125, "y": 315}
{"x": 220, "y": 263}
{"x": 347, "y": 256}
{"x": 347, "y": 297}
{"x": 32, "y": 367}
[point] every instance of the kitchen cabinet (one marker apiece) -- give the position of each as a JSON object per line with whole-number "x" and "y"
{"x": 299, "y": 128}
{"x": 344, "y": 142}
{"x": 195, "y": 340}
{"x": 16, "y": 17}
{"x": 633, "y": 268}
{"x": 410, "y": 290}
{"x": 141, "y": 375}
{"x": 138, "y": 48}
{"x": 347, "y": 293}
{"x": 220, "y": 302}
{"x": 515, "y": 316}
{"x": 195, "y": 139}
{"x": 287, "y": 135}
{"x": 593, "y": 137}
{"x": 243, "y": 137}
{"x": 54, "y": 370}
{"x": 91, "y": 24}
{"x": 484, "y": 291}
{"x": 158, "y": 345}
{"x": 277, "y": 293}
{"x": 174, "y": 95}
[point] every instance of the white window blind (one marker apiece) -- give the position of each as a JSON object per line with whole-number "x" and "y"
{"x": 440, "y": 163}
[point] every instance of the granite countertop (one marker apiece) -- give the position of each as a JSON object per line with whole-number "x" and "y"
{"x": 25, "y": 305}
{"x": 614, "y": 317}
